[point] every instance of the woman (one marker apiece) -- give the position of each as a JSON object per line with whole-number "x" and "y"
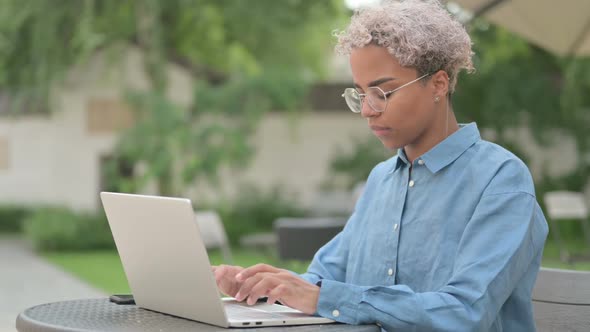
{"x": 447, "y": 235}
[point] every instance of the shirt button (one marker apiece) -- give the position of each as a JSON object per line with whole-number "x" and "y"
{"x": 378, "y": 324}
{"x": 411, "y": 183}
{"x": 335, "y": 313}
{"x": 395, "y": 227}
{"x": 390, "y": 272}
{"x": 420, "y": 162}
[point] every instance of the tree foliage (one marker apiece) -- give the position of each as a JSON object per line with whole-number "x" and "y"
{"x": 520, "y": 85}
{"x": 249, "y": 56}
{"x": 41, "y": 39}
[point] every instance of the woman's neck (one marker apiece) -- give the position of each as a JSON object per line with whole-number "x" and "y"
{"x": 432, "y": 136}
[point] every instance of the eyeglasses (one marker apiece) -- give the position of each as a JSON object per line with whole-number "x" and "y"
{"x": 375, "y": 96}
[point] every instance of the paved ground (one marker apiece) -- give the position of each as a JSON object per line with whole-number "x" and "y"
{"x": 27, "y": 280}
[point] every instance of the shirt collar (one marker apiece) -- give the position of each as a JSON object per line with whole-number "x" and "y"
{"x": 445, "y": 152}
{"x": 402, "y": 159}
{"x": 451, "y": 148}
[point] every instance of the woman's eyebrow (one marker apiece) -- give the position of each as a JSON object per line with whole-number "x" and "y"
{"x": 377, "y": 82}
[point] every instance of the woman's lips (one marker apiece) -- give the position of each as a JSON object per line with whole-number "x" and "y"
{"x": 380, "y": 131}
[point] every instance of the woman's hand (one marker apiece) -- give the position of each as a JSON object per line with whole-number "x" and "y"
{"x": 225, "y": 276}
{"x": 278, "y": 285}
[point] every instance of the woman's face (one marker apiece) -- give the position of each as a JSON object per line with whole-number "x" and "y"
{"x": 410, "y": 111}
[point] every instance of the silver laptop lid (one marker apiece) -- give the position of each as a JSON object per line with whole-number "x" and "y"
{"x": 163, "y": 256}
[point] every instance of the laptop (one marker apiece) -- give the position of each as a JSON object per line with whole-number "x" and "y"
{"x": 168, "y": 268}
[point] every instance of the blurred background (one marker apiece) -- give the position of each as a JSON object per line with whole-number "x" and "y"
{"x": 237, "y": 105}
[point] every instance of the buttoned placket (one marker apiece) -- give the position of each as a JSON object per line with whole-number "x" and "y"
{"x": 396, "y": 227}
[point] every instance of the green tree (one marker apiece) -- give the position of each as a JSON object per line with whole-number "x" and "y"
{"x": 250, "y": 56}
{"x": 518, "y": 84}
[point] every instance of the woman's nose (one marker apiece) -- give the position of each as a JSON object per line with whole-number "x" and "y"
{"x": 367, "y": 111}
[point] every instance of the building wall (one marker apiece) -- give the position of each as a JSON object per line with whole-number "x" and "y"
{"x": 292, "y": 153}
{"x": 55, "y": 159}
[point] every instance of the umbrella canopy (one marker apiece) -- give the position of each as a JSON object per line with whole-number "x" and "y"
{"x": 562, "y": 27}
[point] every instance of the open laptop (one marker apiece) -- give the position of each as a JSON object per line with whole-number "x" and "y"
{"x": 168, "y": 268}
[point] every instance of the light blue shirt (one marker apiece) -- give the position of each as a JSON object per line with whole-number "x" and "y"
{"x": 453, "y": 245}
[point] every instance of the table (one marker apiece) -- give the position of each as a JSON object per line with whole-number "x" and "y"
{"x": 102, "y": 315}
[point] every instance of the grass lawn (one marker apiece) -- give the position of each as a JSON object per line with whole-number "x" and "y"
{"x": 577, "y": 249}
{"x": 103, "y": 269}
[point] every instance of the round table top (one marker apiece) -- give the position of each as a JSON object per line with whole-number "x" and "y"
{"x": 102, "y": 315}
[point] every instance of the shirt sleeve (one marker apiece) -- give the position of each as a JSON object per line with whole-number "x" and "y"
{"x": 502, "y": 240}
{"x": 330, "y": 260}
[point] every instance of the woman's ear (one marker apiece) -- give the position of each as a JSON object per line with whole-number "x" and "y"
{"x": 440, "y": 81}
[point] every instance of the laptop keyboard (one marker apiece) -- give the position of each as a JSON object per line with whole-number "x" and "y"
{"x": 239, "y": 311}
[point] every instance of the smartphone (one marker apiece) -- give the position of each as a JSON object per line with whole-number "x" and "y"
{"x": 122, "y": 299}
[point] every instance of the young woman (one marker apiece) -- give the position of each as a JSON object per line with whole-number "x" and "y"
{"x": 448, "y": 235}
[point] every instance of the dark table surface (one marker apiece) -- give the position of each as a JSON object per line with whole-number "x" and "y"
{"x": 102, "y": 315}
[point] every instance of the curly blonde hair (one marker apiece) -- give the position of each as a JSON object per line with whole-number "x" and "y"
{"x": 420, "y": 34}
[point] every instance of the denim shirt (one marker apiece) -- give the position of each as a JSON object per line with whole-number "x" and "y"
{"x": 451, "y": 242}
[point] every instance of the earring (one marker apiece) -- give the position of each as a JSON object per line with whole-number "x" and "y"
{"x": 436, "y": 99}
